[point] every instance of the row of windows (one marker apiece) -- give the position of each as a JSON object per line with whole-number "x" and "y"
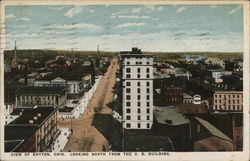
{"x": 128, "y": 97}
{"x": 128, "y": 104}
{"x": 235, "y": 107}
{"x": 229, "y": 101}
{"x": 128, "y": 117}
{"x": 128, "y": 125}
{"x": 138, "y": 83}
{"x": 128, "y": 70}
{"x": 138, "y": 76}
{"x": 138, "y": 63}
{"x": 128, "y": 110}
{"x": 128, "y": 90}
{"x": 229, "y": 96}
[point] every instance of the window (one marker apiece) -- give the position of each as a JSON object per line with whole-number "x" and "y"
{"x": 128, "y": 90}
{"x": 139, "y": 125}
{"x": 138, "y": 76}
{"x": 148, "y": 111}
{"x": 128, "y": 125}
{"x": 138, "y": 97}
{"x": 148, "y": 117}
{"x": 147, "y": 75}
{"x": 148, "y": 90}
{"x": 147, "y": 83}
{"x": 140, "y": 62}
{"x": 138, "y": 90}
{"x": 138, "y": 110}
{"x": 128, "y": 97}
{"x": 138, "y": 70}
{"x": 148, "y": 125}
{"x": 128, "y": 104}
{"x": 128, "y": 117}
{"x": 138, "y": 104}
{"x": 128, "y": 63}
{"x": 148, "y": 63}
{"x": 128, "y": 76}
{"x": 138, "y": 117}
{"x": 136, "y": 62}
{"x": 138, "y": 83}
{"x": 128, "y": 110}
{"x": 128, "y": 70}
{"x": 148, "y": 104}
{"x": 128, "y": 84}
{"x": 148, "y": 97}
{"x": 147, "y": 70}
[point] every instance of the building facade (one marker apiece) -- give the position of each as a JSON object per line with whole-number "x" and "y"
{"x": 137, "y": 91}
{"x": 33, "y": 131}
{"x": 228, "y": 101}
{"x": 32, "y": 96}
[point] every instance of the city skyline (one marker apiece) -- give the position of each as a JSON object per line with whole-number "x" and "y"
{"x": 173, "y": 28}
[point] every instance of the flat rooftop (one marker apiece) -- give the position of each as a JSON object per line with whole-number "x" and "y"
{"x": 145, "y": 140}
{"x": 169, "y": 115}
{"x": 30, "y": 113}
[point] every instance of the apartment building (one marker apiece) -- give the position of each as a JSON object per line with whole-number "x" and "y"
{"x": 228, "y": 101}
{"x": 137, "y": 91}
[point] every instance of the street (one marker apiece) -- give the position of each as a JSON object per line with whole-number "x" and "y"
{"x": 87, "y": 138}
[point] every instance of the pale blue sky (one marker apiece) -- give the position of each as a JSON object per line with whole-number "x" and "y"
{"x": 119, "y": 27}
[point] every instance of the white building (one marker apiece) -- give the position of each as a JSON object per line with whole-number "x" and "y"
{"x": 137, "y": 91}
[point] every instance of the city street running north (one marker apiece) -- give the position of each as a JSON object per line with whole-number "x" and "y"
{"x": 87, "y": 138}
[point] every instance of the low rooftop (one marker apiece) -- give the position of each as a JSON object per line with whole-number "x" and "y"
{"x": 41, "y": 113}
{"x": 169, "y": 115}
{"x": 192, "y": 108}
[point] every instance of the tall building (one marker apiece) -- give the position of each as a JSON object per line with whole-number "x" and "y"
{"x": 137, "y": 91}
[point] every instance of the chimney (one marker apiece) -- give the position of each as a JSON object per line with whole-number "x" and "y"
{"x": 39, "y": 115}
{"x": 31, "y": 121}
{"x": 35, "y": 118}
{"x": 198, "y": 128}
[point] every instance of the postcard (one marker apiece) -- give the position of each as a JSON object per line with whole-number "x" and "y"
{"x": 124, "y": 80}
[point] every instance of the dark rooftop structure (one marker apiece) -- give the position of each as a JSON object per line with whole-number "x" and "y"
{"x": 40, "y": 112}
{"x": 41, "y": 90}
{"x": 22, "y": 128}
{"x": 192, "y": 108}
{"x": 145, "y": 140}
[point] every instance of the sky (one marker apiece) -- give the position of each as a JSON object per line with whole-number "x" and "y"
{"x": 165, "y": 28}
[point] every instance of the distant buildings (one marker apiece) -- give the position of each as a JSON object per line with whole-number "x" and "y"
{"x": 33, "y": 131}
{"x": 32, "y": 96}
{"x": 228, "y": 101}
{"x": 137, "y": 91}
{"x": 74, "y": 87}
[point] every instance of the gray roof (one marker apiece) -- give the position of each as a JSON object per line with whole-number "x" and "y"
{"x": 169, "y": 115}
{"x": 213, "y": 130}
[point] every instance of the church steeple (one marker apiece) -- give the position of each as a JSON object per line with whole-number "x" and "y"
{"x": 14, "y": 60}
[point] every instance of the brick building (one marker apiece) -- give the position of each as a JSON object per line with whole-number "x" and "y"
{"x": 33, "y": 131}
